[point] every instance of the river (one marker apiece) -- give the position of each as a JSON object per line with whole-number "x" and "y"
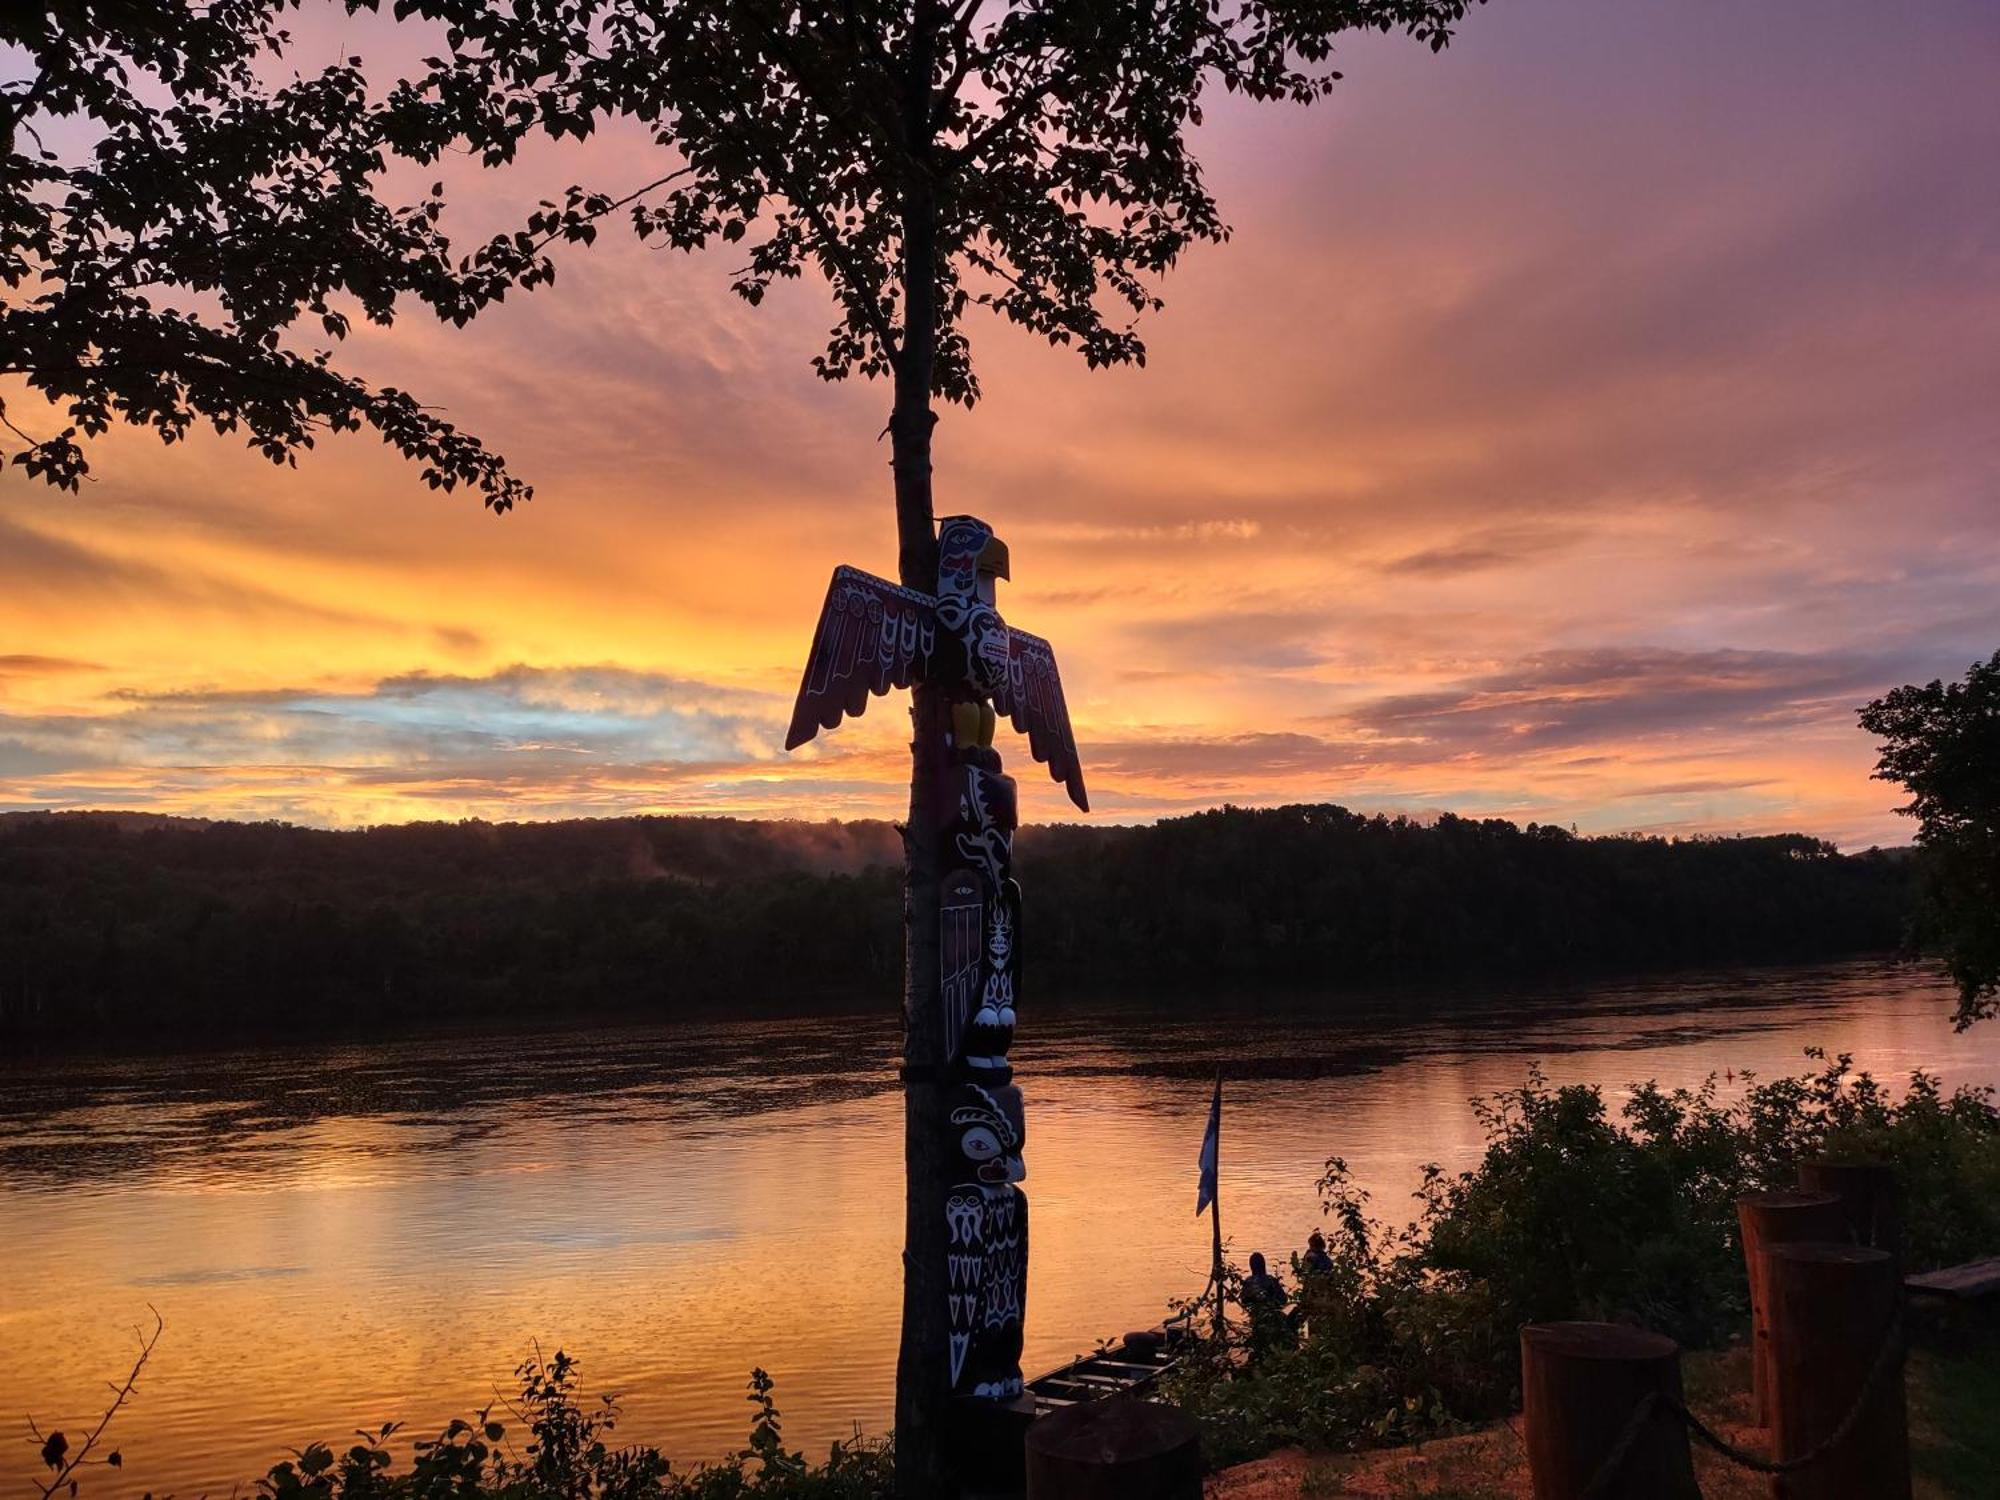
{"x": 340, "y": 1235}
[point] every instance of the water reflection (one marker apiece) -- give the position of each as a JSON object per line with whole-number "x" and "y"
{"x": 340, "y": 1236}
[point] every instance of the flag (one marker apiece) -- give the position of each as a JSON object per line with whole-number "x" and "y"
{"x": 1211, "y": 1146}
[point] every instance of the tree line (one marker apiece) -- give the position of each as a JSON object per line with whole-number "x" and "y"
{"x": 112, "y": 922}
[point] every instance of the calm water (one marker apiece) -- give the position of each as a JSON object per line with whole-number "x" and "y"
{"x": 343, "y": 1235}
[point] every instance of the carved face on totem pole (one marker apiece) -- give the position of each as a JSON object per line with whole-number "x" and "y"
{"x": 971, "y": 559}
{"x": 986, "y": 1223}
{"x": 872, "y": 636}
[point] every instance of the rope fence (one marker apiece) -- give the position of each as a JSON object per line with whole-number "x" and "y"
{"x": 1887, "y": 1356}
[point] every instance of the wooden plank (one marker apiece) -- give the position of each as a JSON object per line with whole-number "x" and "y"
{"x": 1112, "y": 1370}
{"x": 1976, "y": 1278}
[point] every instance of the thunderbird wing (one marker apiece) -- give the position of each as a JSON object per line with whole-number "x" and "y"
{"x": 873, "y": 635}
{"x": 1032, "y": 697}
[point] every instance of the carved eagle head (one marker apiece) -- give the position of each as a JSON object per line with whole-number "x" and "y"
{"x": 970, "y": 557}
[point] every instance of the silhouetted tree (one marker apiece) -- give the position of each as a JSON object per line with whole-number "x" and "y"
{"x": 1942, "y": 742}
{"x": 922, "y": 156}
{"x": 126, "y": 925}
{"x": 154, "y": 268}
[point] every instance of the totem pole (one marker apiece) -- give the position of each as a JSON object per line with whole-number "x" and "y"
{"x": 873, "y": 636}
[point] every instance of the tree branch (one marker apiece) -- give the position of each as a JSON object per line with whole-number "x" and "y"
{"x": 1009, "y": 117}
{"x": 64, "y": 1463}
{"x": 961, "y": 42}
{"x": 610, "y": 208}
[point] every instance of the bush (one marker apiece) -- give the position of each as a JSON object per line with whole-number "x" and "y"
{"x": 1573, "y": 1214}
{"x": 569, "y": 1455}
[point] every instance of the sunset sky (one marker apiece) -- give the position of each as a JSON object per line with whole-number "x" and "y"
{"x": 1579, "y": 426}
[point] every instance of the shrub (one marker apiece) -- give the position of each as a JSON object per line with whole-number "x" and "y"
{"x": 569, "y": 1455}
{"x": 1571, "y": 1213}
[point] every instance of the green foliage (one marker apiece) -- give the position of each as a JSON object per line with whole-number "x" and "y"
{"x": 568, "y": 1454}
{"x": 1942, "y": 742}
{"x": 1571, "y": 1215}
{"x": 1574, "y": 1214}
{"x": 195, "y": 927}
{"x": 1954, "y": 1391}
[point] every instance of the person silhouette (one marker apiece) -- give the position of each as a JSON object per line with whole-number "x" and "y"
{"x": 1263, "y": 1298}
{"x": 1316, "y": 1262}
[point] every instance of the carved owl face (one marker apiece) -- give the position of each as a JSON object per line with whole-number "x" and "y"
{"x": 990, "y": 1133}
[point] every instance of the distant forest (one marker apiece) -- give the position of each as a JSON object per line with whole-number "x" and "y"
{"x": 114, "y": 922}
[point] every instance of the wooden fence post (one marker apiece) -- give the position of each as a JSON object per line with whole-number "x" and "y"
{"x": 1832, "y": 1308}
{"x": 1115, "y": 1449}
{"x": 1869, "y": 1195}
{"x": 1581, "y": 1384}
{"x": 1764, "y": 1220}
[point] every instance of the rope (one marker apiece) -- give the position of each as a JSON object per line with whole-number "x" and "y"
{"x": 1887, "y": 1356}
{"x": 1615, "y": 1459}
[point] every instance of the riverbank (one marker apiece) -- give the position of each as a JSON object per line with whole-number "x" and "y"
{"x": 1953, "y": 1381}
{"x": 1576, "y": 1210}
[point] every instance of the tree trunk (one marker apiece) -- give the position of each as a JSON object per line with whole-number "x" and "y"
{"x": 922, "y": 1464}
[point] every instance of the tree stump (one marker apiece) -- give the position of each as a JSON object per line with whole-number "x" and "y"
{"x": 1869, "y": 1195}
{"x": 1581, "y": 1384}
{"x": 1831, "y": 1309}
{"x": 1777, "y": 1218}
{"x": 1115, "y": 1449}
{"x": 986, "y": 1444}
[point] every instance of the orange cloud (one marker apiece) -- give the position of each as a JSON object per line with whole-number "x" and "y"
{"x": 1578, "y": 427}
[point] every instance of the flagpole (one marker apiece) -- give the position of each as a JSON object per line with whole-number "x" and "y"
{"x": 1215, "y": 1219}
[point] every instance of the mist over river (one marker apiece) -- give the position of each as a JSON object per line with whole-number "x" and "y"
{"x": 340, "y": 1235}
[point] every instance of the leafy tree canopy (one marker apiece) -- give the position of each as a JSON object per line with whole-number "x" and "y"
{"x": 157, "y": 270}
{"x": 1942, "y": 741}
{"x": 179, "y": 227}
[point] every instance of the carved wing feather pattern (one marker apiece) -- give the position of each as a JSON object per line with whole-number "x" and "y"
{"x": 873, "y": 635}
{"x": 962, "y": 947}
{"x": 1033, "y": 698}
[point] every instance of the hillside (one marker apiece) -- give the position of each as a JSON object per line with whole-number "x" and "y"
{"x": 109, "y": 922}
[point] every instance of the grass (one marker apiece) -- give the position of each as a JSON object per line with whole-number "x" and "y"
{"x": 1954, "y": 1395}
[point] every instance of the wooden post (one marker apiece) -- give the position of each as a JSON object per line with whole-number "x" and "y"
{"x": 1869, "y": 1195}
{"x": 1831, "y": 1308}
{"x": 1764, "y": 1220}
{"x": 1580, "y": 1385}
{"x": 1115, "y": 1449}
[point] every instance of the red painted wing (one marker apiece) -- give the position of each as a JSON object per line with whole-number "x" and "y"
{"x": 1033, "y": 698}
{"x": 873, "y": 636}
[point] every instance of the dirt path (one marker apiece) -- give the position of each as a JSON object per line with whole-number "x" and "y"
{"x": 1488, "y": 1464}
